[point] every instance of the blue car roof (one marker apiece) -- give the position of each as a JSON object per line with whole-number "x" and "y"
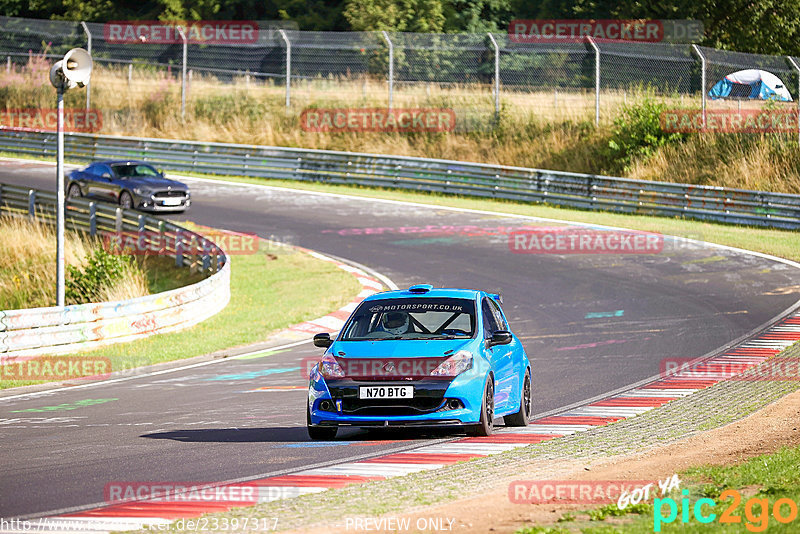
{"x": 436, "y": 292}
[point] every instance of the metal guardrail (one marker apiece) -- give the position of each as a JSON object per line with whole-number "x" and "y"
{"x": 55, "y": 330}
{"x": 583, "y": 191}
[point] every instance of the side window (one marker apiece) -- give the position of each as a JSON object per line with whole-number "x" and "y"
{"x": 498, "y": 315}
{"x": 489, "y": 322}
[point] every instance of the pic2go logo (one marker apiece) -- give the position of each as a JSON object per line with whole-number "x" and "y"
{"x": 756, "y": 511}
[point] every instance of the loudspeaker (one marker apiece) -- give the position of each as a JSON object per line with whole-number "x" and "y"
{"x": 72, "y": 71}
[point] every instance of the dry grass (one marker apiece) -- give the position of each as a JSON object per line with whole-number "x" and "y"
{"x": 544, "y": 129}
{"x": 28, "y": 265}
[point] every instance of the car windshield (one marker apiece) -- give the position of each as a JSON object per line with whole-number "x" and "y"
{"x": 412, "y": 318}
{"x": 126, "y": 171}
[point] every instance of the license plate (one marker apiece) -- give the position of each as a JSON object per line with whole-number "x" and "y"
{"x": 172, "y": 201}
{"x": 386, "y": 392}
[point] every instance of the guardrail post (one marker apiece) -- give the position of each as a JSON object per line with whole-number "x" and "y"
{"x": 288, "y": 68}
{"x": 118, "y": 221}
{"x": 391, "y": 66}
{"x": 206, "y": 256}
{"x": 183, "y": 72}
{"x": 88, "y": 49}
{"x": 496, "y": 75}
{"x": 596, "y": 80}
{"x": 794, "y": 64}
{"x": 31, "y": 203}
{"x": 178, "y": 249}
{"x": 92, "y": 218}
{"x": 702, "y": 80}
{"x": 162, "y": 243}
{"x": 141, "y": 227}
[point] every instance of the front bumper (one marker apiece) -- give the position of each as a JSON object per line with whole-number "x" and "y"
{"x": 157, "y": 204}
{"x": 436, "y": 402}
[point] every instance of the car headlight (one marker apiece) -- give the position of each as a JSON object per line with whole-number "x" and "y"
{"x": 142, "y": 191}
{"x": 454, "y": 365}
{"x": 330, "y": 368}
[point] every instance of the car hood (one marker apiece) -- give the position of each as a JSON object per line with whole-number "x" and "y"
{"x": 408, "y": 348}
{"x": 156, "y": 183}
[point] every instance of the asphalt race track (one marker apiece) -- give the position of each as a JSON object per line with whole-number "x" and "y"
{"x": 590, "y": 323}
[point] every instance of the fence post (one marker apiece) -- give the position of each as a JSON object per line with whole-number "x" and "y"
{"x": 391, "y": 66}
{"x": 496, "y": 75}
{"x": 288, "y": 67}
{"x": 596, "y": 80}
{"x": 92, "y": 218}
{"x": 702, "y": 79}
{"x": 794, "y": 64}
{"x": 88, "y": 49}
{"x": 183, "y": 72}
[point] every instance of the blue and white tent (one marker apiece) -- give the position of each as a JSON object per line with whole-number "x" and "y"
{"x": 751, "y": 83}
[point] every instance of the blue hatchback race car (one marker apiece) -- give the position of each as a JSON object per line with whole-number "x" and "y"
{"x": 421, "y": 357}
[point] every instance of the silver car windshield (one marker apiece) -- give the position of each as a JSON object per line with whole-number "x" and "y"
{"x": 412, "y": 318}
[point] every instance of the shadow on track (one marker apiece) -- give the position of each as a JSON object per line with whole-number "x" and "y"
{"x": 279, "y": 434}
{"x": 292, "y": 434}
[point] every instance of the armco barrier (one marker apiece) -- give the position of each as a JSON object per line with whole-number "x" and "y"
{"x": 39, "y": 331}
{"x": 582, "y": 191}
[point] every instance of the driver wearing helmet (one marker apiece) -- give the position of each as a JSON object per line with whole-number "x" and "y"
{"x": 396, "y": 323}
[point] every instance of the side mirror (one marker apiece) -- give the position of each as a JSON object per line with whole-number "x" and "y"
{"x": 106, "y": 176}
{"x": 501, "y": 337}
{"x": 323, "y": 340}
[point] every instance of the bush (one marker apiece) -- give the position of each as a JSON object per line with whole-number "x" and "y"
{"x": 637, "y": 134}
{"x": 101, "y": 271}
{"x": 215, "y": 108}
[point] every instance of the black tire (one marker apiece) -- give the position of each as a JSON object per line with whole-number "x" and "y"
{"x": 486, "y": 425}
{"x": 523, "y": 416}
{"x": 320, "y": 433}
{"x": 74, "y": 191}
{"x": 126, "y": 200}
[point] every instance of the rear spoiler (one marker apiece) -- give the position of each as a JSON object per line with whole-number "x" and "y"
{"x": 497, "y": 296}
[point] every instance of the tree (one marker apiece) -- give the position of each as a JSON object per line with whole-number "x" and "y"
{"x": 423, "y": 16}
{"x": 478, "y": 16}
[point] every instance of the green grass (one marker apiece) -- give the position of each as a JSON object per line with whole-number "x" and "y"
{"x": 769, "y": 477}
{"x": 270, "y": 290}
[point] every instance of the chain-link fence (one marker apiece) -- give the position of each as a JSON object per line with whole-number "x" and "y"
{"x": 482, "y": 72}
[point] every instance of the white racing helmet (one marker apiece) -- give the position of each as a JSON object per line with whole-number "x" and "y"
{"x": 395, "y": 323}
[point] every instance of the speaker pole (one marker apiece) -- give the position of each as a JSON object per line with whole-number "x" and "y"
{"x": 60, "y": 199}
